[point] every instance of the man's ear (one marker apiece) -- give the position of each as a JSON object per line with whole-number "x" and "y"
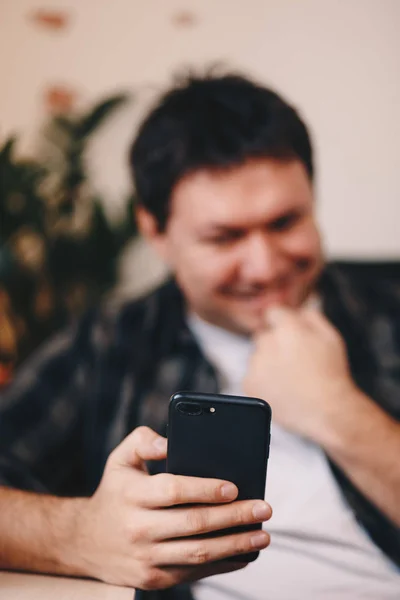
{"x": 149, "y": 229}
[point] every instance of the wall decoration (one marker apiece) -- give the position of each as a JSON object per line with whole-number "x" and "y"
{"x": 52, "y": 20}
{"x": 184, "y": 19}
{"x": 60, "y": 99}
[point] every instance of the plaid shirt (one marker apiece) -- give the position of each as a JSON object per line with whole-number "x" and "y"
{"x": 86, "y": 389}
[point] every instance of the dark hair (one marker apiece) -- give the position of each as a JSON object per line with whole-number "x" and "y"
{"x": 215, "y": 122}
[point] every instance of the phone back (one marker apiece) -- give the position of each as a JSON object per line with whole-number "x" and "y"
{"x": 223, "y": 437}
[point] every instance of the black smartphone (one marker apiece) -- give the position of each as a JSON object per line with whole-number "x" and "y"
{"x": 222, "y": 437}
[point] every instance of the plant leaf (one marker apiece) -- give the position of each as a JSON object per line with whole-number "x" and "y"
{"x": 94, "y": 118}
{"x": 7, "y": 150}
{"x": 66, "y": 124}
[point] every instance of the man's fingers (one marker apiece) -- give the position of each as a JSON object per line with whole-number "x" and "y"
{"x": 164, "y": 490}
{"x": 202, "y": 551}
{"x": 278, "y": 316}
{"x": 198, "y": 520}
{"x": 139, "y": 446}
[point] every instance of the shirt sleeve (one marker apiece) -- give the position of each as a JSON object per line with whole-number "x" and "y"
{"x": 41, "y": 414}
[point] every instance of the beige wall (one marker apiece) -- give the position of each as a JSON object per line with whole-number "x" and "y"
{"x": 337, "y": 60}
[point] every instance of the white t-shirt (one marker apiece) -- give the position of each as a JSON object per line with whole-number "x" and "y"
{"x": 318, "y": 551}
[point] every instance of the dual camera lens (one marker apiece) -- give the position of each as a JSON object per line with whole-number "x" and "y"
{"x": 192, "y": 409}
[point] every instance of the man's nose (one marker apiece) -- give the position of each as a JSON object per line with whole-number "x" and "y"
{"x": 261, "y": 260}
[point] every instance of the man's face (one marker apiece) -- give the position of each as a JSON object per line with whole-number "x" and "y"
{"x": 241, "y": 239}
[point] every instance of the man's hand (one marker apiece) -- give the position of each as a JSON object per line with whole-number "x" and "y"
{"x": 300, "y": 367}
{"x": 136, "y": 529}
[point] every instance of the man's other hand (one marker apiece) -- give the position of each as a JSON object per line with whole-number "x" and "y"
{"x": 300, "y": 368}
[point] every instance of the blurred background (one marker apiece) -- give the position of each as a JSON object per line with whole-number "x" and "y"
{"x": 76, "y": 79}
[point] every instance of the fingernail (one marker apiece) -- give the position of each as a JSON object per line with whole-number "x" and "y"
{"x": 161, "y": 444}
{"x": 229, "y": 491}
{"x": 261, "y": 511}
{"x": 259, "y": 540}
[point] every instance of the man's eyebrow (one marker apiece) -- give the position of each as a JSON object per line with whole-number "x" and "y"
{"x": 217, "y": 228}
{"x": 292, "y": 212}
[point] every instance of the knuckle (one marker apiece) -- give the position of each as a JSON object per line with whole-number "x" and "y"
{"x": 241, "y": 545}
{"x": 140, "y": 434}
{"x": 166, "y": 486}
{"x": 196, "y": 521}
{"x": 170, "y": 488}
{"x": 241, "y": 516}
{"x": 172, "y": 577}
{"x": 152, "y": 579}
{"x": 142, "y": 430}
{"x": 136, "y": 533}
{"x": 127, "y": 491}
{"x": 146, "y": 555}
{"x": 199, "y": 554}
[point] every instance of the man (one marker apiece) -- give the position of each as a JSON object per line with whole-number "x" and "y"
{"x": 223, "y": 170}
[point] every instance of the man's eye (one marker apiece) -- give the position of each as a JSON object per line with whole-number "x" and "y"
{"x": 225, "y": 238}
{"x": 285, "y": 222}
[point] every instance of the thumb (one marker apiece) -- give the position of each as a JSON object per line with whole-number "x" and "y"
{"x": 141, "y": 445}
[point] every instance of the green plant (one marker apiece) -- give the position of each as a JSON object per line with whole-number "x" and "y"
{"x": 58, "y": 251}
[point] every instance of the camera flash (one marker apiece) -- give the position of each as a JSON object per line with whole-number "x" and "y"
{"x": 212, "y": 410}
